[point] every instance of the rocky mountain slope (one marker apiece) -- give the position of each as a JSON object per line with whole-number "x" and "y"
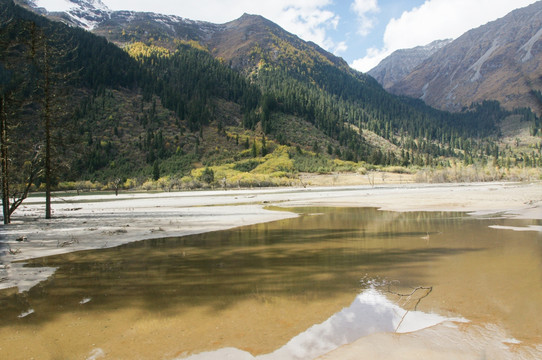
{"x": 233, "y": 41}
{"x": 501, "y": 60}
{"x": 400, "y": 63}
{"x": 187, "y": 94}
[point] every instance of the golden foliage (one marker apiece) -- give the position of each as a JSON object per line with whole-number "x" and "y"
{"x": 277, "y": 162}
{"x": 140, "y": 50}
{"x": 194, "y": 44}
{"x": 275, "y": 169}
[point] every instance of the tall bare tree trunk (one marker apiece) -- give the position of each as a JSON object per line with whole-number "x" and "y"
{"x": 5, "y": 165}
{"x": 47, "y": 124}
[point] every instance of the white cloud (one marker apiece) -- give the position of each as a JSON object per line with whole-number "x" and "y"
{"x": 362, "y": 8}
{"x": 309, "y": 19}
{"x": 373, "y": 57}
{"x": 436, "y": 19}
{"x": 309, "y": 22}
{"x": 340, "y": 48}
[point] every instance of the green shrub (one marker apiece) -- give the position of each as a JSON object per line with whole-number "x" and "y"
{"x": 247, "y": 165}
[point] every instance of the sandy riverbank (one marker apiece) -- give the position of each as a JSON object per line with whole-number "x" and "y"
{"x": 99, "y": 221}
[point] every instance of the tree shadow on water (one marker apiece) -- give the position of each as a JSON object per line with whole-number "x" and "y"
{"x": 217, "y": 278}
{"x": 314, "y": 257}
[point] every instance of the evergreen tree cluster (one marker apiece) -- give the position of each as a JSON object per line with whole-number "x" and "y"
{"x": 188, "y": 79}
{"x": 333, "y": 100}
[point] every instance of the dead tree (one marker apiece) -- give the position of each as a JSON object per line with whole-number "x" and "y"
{"x": 34, "y": 76}
{"x": 117, "y": 183}
{"x": 21, "y": 192}
{"x": 19, "y": 163}
{"x": 47, "y": 126}
{"x": 51, "y": 53}
{"x": 5, "y": 161}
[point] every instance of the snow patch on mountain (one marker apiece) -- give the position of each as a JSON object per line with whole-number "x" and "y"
{"x": 67, "y": 5}
{"x": 54, "y": 5}
{"x": 89, "y": 14}
{"x": 84, "y": 13}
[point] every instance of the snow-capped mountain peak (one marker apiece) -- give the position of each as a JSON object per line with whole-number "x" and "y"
{"x": 83, "y": 13}
{"x": 90, "y": 14}
{"x": 67, "y": 5}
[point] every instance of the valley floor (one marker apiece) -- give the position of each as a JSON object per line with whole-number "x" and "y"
{"x": 93, "y": 221}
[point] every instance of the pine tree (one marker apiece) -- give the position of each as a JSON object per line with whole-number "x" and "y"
{"x": 155, "y": 170}
{"x": 264, "y": 146}
{"x": 254, "y": 149}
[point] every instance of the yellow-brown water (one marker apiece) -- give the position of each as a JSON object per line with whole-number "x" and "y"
{"x": 256, "y": 287}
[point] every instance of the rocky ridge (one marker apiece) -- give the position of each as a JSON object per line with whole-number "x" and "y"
{"x": 501, "y": 60}
{"x": 401, "y": 62}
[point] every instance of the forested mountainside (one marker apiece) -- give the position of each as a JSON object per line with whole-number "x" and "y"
{"x": 501, "y": 61}
{"x": 242, "y": 103}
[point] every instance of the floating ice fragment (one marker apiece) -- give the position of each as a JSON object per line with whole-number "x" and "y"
{"x": 518, "y": 228}
{"x": 511, "y": 341}
{"x": 25, "y": 313}
{"x": 96, "y": 354}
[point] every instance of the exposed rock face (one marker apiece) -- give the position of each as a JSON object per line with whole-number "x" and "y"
{"x": 501, "y": 60}
{"x": 400, "y": 63}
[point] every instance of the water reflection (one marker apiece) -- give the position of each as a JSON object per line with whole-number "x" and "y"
{"x": 281, "y": 268}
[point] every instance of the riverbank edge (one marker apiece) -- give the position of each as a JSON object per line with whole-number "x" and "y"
{"x": 94, "y": 221}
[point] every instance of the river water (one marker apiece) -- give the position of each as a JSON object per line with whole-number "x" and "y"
{"x": 255, "y": 288}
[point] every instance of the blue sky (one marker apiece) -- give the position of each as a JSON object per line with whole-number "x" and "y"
{"x": 363, "y": 32}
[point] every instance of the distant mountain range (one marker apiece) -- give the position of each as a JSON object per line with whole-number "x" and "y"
{"x": 501, "y": 60}
{"x": 498, "y": 61}
{"x": 230, "y": 41}
{"x": 157, "y": 91}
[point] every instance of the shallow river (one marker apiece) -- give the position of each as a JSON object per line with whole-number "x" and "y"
{"x": 255, "y": 288}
